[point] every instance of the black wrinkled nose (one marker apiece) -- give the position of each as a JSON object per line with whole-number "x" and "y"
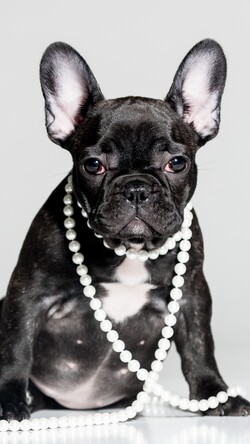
{"x": 137, "y": 192}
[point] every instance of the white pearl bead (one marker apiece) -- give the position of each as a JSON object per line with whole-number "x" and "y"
{"x": 106, "y": 325}
{"x": 70, "y": 234}
{"x": 164, "y": 344}
{"x": 83, "y": 213}
{"x": 153, "y": 254}
{"x": 68, "y": 188}
{"x": 125, "y": 356}
{"x": 52, "y": 422}
{"x": 156, "y": 366}
{"x": 106, "y": 418}
{"x": 98, "y": 235}
{"x": 173, "y": 307}
{"x": 186, "y": 223}
{"x": 222, "y": 397}
{"x": 167, "y": 332}
{"x": 122, "y": 416}
{"x": 98, "y": 418}
{"x": 112, "y": 336}
{"x": 138, "y": 406}
{"x": 142, "y": 396}
{"x": 185, "y": 245}
{"x": 131, "y": 412}
{"x": 43, "y": 423}
{"x": 166, "y": 396}
{"x": 100, "y": 315}
{"x": 25, "y": 425}
{"x": 4, "y": 425}
{"x": 105, "y": 243}
{"x": 176, "y": 294}
{"x": 177, "y": 236}
{"x": 72, "y": 421}
{"x": 85, "y": 280}
{"x": 186, "y": 233}
{"x": 67, "y": 200}
{"x": 90, "y": 420}
{"x": 14, "y": 425}
{"x": 174, "y": 400}
{"x": 180, "y": 269}
{"x": 158, "y": 391}
{"x": 160, "y": 354}
{"x": 153, "y": 376}
{"x": 121, "y": 250}
{"x": 183, "y": 257}
{"x": 203, "y": 405}
{"x": 170, "y": 320}
{"x": 178, "y": 281}
{"x": 142, "y": 374}
{"x": 231, "y": 391}
{"x": 69, "y": 222}
{"x": 189, "y": 206}
{"x": 74, "y": 246}
{"x": 82, "y": 270}
{"x": 35, "y": 424}
{"x": 193, "y": 405}
{"x": 118, "y": 346}
{"x": 184, "y": 404}
{"x": 133, "y": 365}
{"x": 213, "y": 402}
{"x": 89, "y": 291}
{"x": 95, "y": 304}
{"x": 88, "y": 224}
{"x": 131, "y": 253}
{"x": 78, "y": 258}
{"x": 63, "y": 422}
{"x": 68, "y": 210}
{"x": 163, "y": 250}
{"x": 170, "y": 243}
{"x": 114, "y": 418}
{"x": 142, "y": 255}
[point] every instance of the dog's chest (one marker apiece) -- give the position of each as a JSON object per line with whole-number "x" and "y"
{"x": 128, "y": 295}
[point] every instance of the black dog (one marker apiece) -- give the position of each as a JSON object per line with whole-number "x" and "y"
{"x": 133, "y": 172}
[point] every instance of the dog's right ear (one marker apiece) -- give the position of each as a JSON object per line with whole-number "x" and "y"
{"x": 69, "y": 88}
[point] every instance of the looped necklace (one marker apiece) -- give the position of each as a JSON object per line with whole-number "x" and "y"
{"x": 149, "y": 378}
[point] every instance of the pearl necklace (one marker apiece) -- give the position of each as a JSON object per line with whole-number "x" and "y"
{"x": 150, "y": 378}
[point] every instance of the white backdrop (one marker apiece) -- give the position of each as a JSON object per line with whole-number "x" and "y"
{"x": 134, "y": 48}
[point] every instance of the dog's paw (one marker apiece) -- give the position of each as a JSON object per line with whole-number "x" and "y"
{"x": 15, "y": 410}
{"x": 233, "y": 407}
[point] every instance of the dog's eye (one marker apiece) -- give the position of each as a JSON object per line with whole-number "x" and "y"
{"x": 176, "y": 165}
{"x": 94, "y": 166}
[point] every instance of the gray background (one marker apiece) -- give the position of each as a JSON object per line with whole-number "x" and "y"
{"x": 134, "y": 48}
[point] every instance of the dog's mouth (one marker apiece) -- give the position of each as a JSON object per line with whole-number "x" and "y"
{"x": 136, "y": 233}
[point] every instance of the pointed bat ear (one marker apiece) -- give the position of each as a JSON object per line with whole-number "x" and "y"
{"x": 198, "y": 85}
{"x": 69, "y": 89}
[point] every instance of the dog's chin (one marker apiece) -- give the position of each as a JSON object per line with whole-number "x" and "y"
{"x": 136, "y": 234}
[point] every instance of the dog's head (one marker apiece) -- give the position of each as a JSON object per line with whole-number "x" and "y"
{"x": 134, "y": 158}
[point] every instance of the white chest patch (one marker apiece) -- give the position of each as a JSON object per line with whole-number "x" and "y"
{"x": 127, "y": 296}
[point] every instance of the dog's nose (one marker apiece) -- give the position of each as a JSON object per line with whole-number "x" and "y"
{"x": 137, "y": 192}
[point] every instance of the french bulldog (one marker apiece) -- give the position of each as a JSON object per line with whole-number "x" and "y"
{"x": 133, "y": 172}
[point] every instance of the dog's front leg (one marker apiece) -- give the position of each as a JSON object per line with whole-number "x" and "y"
{"x": 195, "y": 344}
{"x": 17, "y": 326}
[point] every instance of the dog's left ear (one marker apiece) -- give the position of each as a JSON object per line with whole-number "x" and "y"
{"x": 198, "y": 85}
{"x": 69, "y": 88}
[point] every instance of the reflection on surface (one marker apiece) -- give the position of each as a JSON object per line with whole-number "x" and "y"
{"x": 195, "y": 430}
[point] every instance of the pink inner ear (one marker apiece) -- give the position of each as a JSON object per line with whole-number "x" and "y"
{"x": 65, "y": 105}
{"x": 199, "y": 101}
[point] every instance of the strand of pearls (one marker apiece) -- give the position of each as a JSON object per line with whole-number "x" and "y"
{"x": 150, "y": 378}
